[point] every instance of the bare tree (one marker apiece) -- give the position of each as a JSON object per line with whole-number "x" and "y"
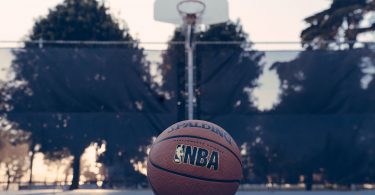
{"x": 14, "y": 157}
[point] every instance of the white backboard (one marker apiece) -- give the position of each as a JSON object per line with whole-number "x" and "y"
{"x": 217, "y": 11}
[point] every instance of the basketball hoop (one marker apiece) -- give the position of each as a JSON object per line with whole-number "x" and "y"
{"x": 189, "y": 14}
{"x": 191, "y": 10}
{"x": 207, "y": 12}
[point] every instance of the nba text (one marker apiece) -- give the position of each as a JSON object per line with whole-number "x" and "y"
{"x": 196, "y": 156}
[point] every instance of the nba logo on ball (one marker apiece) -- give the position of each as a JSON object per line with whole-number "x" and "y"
{"x": 179, "y": 154}
{"x": 194, "y": 157}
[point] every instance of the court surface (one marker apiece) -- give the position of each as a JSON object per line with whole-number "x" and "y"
{"x": 114, "y": 192}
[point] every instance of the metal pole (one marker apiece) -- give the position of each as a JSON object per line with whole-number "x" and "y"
{"x": 190, "y": 68}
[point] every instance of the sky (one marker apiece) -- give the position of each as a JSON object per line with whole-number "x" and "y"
{"x": 264, "y": 20}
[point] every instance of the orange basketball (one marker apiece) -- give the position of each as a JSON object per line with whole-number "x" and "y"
{"x": 194, "y": 158}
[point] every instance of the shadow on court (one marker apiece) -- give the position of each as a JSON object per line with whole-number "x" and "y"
{"x": 114, "y": 192}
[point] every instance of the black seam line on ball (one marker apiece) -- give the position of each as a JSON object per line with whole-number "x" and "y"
{"x": 195, "y": 177}
{"x": 202, "y": 138}
{"x": 152, "y": 187}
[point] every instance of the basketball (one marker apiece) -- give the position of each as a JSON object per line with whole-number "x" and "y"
{"x": 194, "y": 158}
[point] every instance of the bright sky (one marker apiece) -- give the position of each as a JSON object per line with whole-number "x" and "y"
{"x": 264, "y": 20}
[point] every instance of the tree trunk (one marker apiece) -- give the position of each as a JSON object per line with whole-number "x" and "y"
{"x": 8, "y": 184}
{"x": 31, "y": 168}
{"x": 76, "y": 171}
{"x": 309, "y": 181}
{"x": 9, "y": 176}
{"x": 66, "y": 178}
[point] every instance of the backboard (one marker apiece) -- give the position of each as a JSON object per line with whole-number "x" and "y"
{"x": 216, "y": 11}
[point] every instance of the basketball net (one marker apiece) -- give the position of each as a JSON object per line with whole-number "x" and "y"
{"x": 191, "y": 11}
{"x": 190, "y": 19}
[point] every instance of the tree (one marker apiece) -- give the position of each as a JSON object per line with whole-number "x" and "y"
{"x": 173, "y": 71}
{"x": 325, "y": 103}
{"x": 342, "y": 22}
{"x": 333, "y": 79}
{"x": 14, "y": 150}
{"x": 70, "y": 87}
{"x": 228, "y": 69}
{"x": 7, "y": 88}
{"x": 74, "y": 20}
{"x": 13, "y": 143}
{"x": 231, "y": 70}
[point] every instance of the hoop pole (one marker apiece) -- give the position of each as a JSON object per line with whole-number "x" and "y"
{"x": 190, "y": 69}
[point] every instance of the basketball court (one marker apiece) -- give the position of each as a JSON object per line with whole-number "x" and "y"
{"x": 114, "y": 192}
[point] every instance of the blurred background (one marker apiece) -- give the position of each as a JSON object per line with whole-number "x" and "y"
{"x": 86, "y": 85}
